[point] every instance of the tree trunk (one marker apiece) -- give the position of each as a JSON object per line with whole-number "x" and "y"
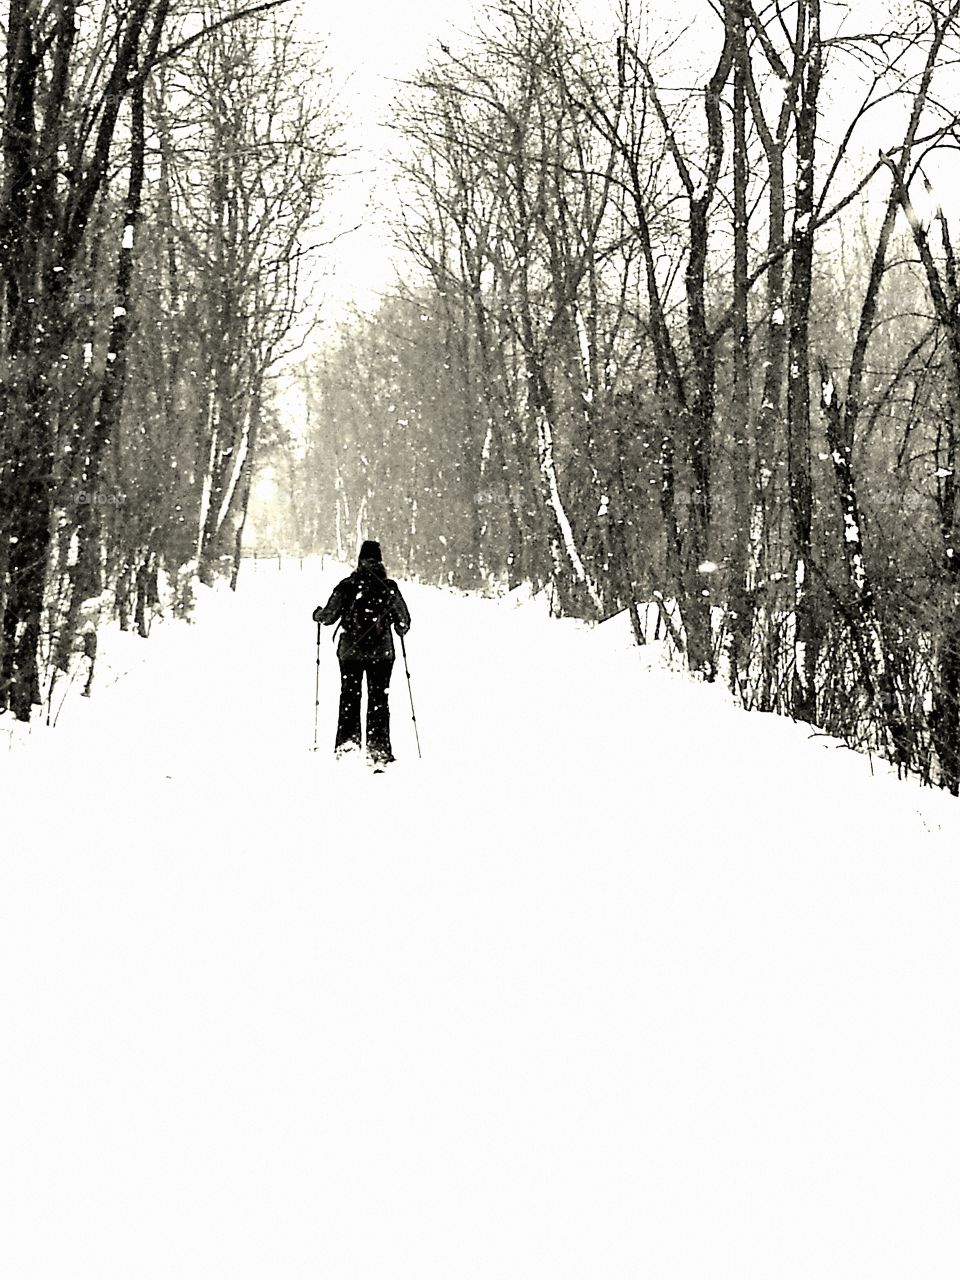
{"x": 740, "y": 604}
{"x": 808, "y": 623}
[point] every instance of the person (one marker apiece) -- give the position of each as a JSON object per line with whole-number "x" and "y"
{"x": 369, "y": 607}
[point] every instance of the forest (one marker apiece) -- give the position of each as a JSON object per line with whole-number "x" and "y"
{"x": 676, "y": 321}
{"x": 164, "y": 166}
{"x": 676, "y": 324}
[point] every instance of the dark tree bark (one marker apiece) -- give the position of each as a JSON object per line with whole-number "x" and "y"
{"x": 739, "y": 575}
{"x": 808, "y": 622}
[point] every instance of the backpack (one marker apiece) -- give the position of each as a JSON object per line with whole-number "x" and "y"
{"x": 366, "y": 617}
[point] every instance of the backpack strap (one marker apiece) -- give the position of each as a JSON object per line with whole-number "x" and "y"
{"x": 355, "y": 585}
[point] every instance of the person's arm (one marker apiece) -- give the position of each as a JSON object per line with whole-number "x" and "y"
{"x": 400, "y": 612}
{"x": 331, "y": 611}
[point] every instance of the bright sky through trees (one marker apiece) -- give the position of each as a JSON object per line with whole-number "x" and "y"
{"x": 373, "y": 45}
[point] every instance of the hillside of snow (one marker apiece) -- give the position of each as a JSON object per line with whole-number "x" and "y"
{"x": 616, "y": 981}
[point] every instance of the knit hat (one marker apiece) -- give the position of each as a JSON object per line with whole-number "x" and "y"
{"x": 370, "y": 551}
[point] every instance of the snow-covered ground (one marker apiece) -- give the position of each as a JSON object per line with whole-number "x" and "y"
{"x": 617, "y": 982}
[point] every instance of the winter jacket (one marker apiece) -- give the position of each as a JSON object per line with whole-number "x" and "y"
{"x": 374, "y": 647}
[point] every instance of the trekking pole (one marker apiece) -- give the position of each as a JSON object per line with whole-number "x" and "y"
{"x": 413, "y": 714}
{"x": 316, "y": 701}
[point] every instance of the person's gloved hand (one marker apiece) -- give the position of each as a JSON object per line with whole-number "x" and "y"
{"x": 317, "y": 612}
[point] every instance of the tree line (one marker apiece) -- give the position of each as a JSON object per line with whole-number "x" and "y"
{"x": 163, "y": 168}
{"x": 683, "y": 331}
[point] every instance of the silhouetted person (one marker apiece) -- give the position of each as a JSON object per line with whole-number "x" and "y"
{"x": 368, "y": 606}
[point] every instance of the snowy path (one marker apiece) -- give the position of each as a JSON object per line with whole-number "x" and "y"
{"x": 621, "y": 982}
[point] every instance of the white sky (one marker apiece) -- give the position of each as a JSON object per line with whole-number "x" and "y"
{"x": 371, "y": 45}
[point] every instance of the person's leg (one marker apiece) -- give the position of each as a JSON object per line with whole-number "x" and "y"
{"x": 348, "y": 722}
{"x": 378, "y": 710}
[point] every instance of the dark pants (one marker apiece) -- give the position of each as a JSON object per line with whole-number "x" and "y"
{"x": 378, "y": 707}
